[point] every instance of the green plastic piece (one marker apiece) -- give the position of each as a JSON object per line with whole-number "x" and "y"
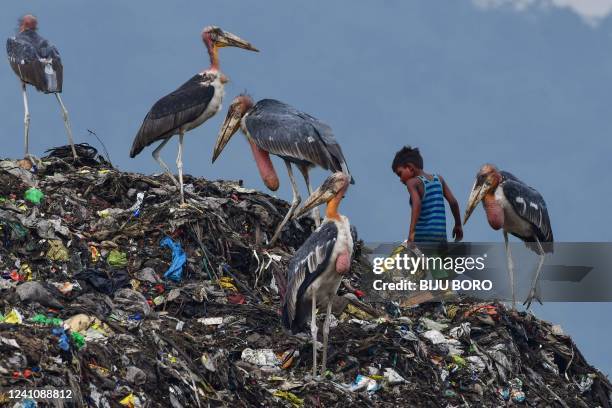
{"x": 34, "y": 195}
{"x": 117, "y": 258}
{"x": 78, "y": 339}
{"x": 42, "y": 319}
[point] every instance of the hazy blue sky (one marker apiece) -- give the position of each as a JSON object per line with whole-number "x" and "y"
{"x": 525, "y": 84}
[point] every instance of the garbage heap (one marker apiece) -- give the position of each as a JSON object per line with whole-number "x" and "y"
{"x": 114, "y": 295}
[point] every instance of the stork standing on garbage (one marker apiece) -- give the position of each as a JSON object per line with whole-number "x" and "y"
{"x": 37, "y": 62}
{"x": 317, "y": 267}
{"x": 186, "y": 108}
{"x": 274, "y": 127}
{"x": 518, "y": 209}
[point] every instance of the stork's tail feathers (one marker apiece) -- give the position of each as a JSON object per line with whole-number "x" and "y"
{"x": 547, "y": 246}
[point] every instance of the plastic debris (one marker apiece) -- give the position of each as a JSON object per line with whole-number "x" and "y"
{"x": 289, "y": 396}
{"x": 33, "y": 195}
{"x": 135, "y": 376}
{"x": 36, "y": 292}
{"x": 78, "y": 339}
{"x": 50, "y": 321}
{"x": 364, "y": 383}
{"x": 262, "y": 357}
{"x": 129, "y": 401}
{"x": 105, "y": 282}
{"x": 78, "y": 323}
{"x": 63, "y": 341}
{"x": 211, "y": 321}
{"x": 462, "y": 331}
{"x": 57, "y": 251}
{"x": 392, "y": 377}
{"x": 586, "y": 383}
{"x": 117, "y": 258}
{"x": 175, "y": 270}
{"x": 13, "y": 317}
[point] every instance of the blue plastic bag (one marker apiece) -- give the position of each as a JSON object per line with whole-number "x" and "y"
{"x": 63, "y": 342}
{"x": 175, "y": 271}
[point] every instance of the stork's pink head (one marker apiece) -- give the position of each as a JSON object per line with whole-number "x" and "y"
{"x": 487, "y": 180}
{"x": 215, "y": 36}
{"x": 28, "y": 22}
{"x": 239, "y": 107}
{"x": 243, "y": 102}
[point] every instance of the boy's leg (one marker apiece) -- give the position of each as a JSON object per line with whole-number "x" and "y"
{"x": 440, "y": 274}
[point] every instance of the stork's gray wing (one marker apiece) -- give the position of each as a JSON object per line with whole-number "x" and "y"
{"x": 529, "y": 205}
{"x": 172, "y": 111}
{"x": 36, "y": 62}
{"x": 308, "y": 262}
{"x": 284, "y": 131}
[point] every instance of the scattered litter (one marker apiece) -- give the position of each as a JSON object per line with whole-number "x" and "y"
{"x": 84, "y": 307}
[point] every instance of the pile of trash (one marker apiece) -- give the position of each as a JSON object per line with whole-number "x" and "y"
{"x": 112, "y": 294}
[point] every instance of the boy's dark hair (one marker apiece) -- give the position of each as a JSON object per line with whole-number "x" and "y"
{"x": 407, "y": 155}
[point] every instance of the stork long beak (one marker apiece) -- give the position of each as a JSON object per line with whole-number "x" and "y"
{"x": 320, "y": 196}
{"x": 476, "y": 196}
{"x": 231, "y": 40}
{"x": 228, "y": 129}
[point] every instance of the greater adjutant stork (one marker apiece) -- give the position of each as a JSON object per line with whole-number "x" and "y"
{"x": 190, "y": 105}
{"x": 275, "y": 127}
{"x": 518, "y": 209}
{"x": 317, "y": 267}
{"x": 37, "y": 62}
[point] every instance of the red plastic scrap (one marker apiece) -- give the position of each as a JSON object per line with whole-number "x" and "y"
{"x": 16, "y": 276}
{"x": 359, "y": 293}
{"x": 482, "y": 309}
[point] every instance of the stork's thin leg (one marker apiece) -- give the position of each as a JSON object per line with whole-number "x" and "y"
{"x": 67, "y": 125}
{"x": 325, "y": 337}
{"x": 179, "y": 165}
{"x": 26, "y": 118}
{"x": 294, "y": 203}
{"x": 315, "y": 212}
{"x": 313, "y": 332}
{"x": 510, "y": 269}
{"x": 163, "y": 165}
{"x": 533, "y": 292}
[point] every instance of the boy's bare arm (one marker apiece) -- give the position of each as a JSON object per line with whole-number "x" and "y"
{"x": 454, "y": 206}
{"x": 415, "y": 198}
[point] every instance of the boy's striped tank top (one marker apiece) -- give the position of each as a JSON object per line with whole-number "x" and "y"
{"x": 431, "y": 225}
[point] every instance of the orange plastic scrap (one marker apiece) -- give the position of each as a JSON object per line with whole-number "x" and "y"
{"x": 287, "y": 358}
{"x": 483, "y": 311}
{"x": 95, "y": 254}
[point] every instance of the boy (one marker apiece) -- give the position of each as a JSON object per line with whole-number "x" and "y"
{"x": 427, "y": 193}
